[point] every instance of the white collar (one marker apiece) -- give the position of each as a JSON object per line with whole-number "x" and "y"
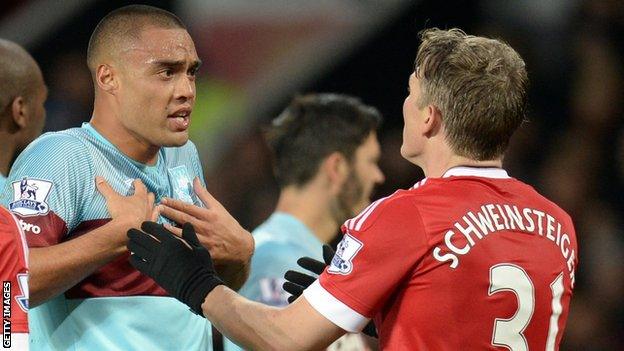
{"x": 489, "y": 172}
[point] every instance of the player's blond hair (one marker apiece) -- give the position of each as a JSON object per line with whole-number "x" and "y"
{"x": 478, "y": 84}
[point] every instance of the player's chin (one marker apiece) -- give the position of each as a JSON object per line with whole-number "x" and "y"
{"x": 175, "y": 139}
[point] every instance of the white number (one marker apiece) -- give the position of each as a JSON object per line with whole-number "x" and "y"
{"x": 509, "y": 332}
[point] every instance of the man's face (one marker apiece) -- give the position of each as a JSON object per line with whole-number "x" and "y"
{"x": 364, "y": 174}
{"x": 157, "y": 86}
{"x": 412, "y": 113}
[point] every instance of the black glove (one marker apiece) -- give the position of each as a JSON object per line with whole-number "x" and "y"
{"x": 181, "y": 266}
{"x": 296, "y": 282}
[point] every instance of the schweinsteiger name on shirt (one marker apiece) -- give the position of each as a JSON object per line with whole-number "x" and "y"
{"x": 498, "y": 217}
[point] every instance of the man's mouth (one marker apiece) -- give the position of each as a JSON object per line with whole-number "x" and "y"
{"x": 180, "y": 119}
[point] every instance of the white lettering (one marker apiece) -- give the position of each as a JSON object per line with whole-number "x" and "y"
{"x": 445, "y": 257}
{"x": 466, "y": 231}
{"x": 565, "y": 250}
{"x": 494, "y": 216}
{"x": 527, "y": 212}
{"x": 550, "y": 227}
{"x": 502, "y": 214}
{"x": 514, "y": 216}
{"x": 450, "y": 245}
{"x": 483, "y": 222}
{"x": 540, "y": 218}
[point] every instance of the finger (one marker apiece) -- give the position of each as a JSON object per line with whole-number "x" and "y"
{"x": 137, "y": 248}
{"x": 139, "y": 264}
{"x": 175, "y": 230}
{"x": 146, "y": 239}
{"x": 104, "y": 188}
{"x": 139, "y": 187}
{"x": 180, "y": 211}
{"x": 157, "y": 230}
{"x": 175, "y": 215}
{"x": 292, "y": 298}
{"x": 311, "y": 264}
{"x": 155, "y": 214}
{"x": 150, "y": 199}
{"x": 206, "y": 198}
{"x": 299, "y": 278}
{"x": 293, "y": 289}
{"x": 328, "y": 254}
{"x": 188, "y": 234}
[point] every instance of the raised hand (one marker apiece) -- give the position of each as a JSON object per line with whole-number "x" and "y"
{"x": 216, "y": 229}
{"x": 132, "y": 209}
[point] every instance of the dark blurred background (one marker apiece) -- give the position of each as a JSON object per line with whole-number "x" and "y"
{"x": 258, "y": 54}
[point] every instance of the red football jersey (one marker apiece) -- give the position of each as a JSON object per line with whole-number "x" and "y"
{"x": 474, "y": 260}
{"x": 14, "y": 275}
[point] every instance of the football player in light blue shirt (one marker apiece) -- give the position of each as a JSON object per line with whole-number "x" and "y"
{"x": 325, "y": 155}
{"x": 22, "y": 95}
{"x": 134, "y": 152}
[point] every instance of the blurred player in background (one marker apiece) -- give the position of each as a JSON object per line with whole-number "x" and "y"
{"x": 87, "y": 295}
{"x": 14, "y": 278}
{"x": 325, "y": 153}
{"x": 22, "y": 95}
{"x": 467, "y": 259}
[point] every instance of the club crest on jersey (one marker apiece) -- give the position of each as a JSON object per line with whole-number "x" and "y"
{"x": 342, "y": 263}
{"x": 29, "y": 196}
{"x": 181, "y": 183}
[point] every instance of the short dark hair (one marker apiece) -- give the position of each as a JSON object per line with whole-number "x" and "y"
{"x": 314, "y": 126}
{"x": 127, "y": 22}
{"x": 478, "y": 84}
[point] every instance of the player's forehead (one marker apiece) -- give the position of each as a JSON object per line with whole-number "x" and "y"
{"x": 157, "y": 44}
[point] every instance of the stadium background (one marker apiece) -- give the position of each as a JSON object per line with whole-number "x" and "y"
{"x": 258, "y": 54}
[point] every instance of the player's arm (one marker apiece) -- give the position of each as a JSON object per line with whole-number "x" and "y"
{"x": 184, "y": 268}
{"x": 255, "y": 326}
{"x": 230, "y": 245}
{"x": 56, "y": 268}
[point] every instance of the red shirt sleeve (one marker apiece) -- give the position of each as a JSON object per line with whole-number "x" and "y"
{"x": 13, "y": 273}
{"x": 380, "y": 249}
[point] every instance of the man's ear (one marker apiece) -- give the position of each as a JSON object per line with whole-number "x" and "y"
{"x": 19, "y": 112}
{"x": 106, "y": 79}
{"x": 336, "y": 168}
{"x": 432, "y": 122}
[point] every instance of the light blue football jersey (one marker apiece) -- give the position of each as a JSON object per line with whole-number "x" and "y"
{"x": 51, "y": 189}
{"x": 2, "y": 181}
{"x": 280, "y": 241}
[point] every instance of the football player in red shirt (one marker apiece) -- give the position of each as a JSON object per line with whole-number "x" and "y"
{"x": 467, "y": 259}
{"x": 14, "y": 277}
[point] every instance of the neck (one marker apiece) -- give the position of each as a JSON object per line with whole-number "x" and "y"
{"x": 311, "y": 207}
{"x": 436, "y": 164}
{"x": 7, "y": 153}
{"x": 106, "y": 121}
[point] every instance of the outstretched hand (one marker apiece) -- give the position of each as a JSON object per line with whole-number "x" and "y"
{"x": 181, "y": 266}
{"x": 297, "y": 282}
{"x": 217, "y": 230}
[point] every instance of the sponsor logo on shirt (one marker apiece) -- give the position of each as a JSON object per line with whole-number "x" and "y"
{"x": 30, "y": 195}
{"x": 342, "y": 263}
{"x": 28, "y": 227}
{"x": 181, "y": 183}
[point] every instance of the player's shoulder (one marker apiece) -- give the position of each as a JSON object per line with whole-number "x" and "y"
{"x": 397, "y": 206}
{"x": 69, "y": 142}
{"x": 9, "y": 230}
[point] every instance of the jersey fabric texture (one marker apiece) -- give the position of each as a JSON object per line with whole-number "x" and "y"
{"x": 474, "y": 260}
{"x": 280, "y": 241}
{"x": 2, "y": 181}
{"x": 51, "y": 188}
{"x": 14, "y": 277}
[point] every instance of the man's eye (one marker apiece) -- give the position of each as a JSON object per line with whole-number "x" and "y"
{"x": 167, "y": 73}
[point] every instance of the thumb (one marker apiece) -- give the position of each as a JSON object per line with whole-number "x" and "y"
{"x": 328, "y": 254}
{"x": 104, "y": 188}
{"x": 188, "y": 234}
{"x": 206, "y": 198}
